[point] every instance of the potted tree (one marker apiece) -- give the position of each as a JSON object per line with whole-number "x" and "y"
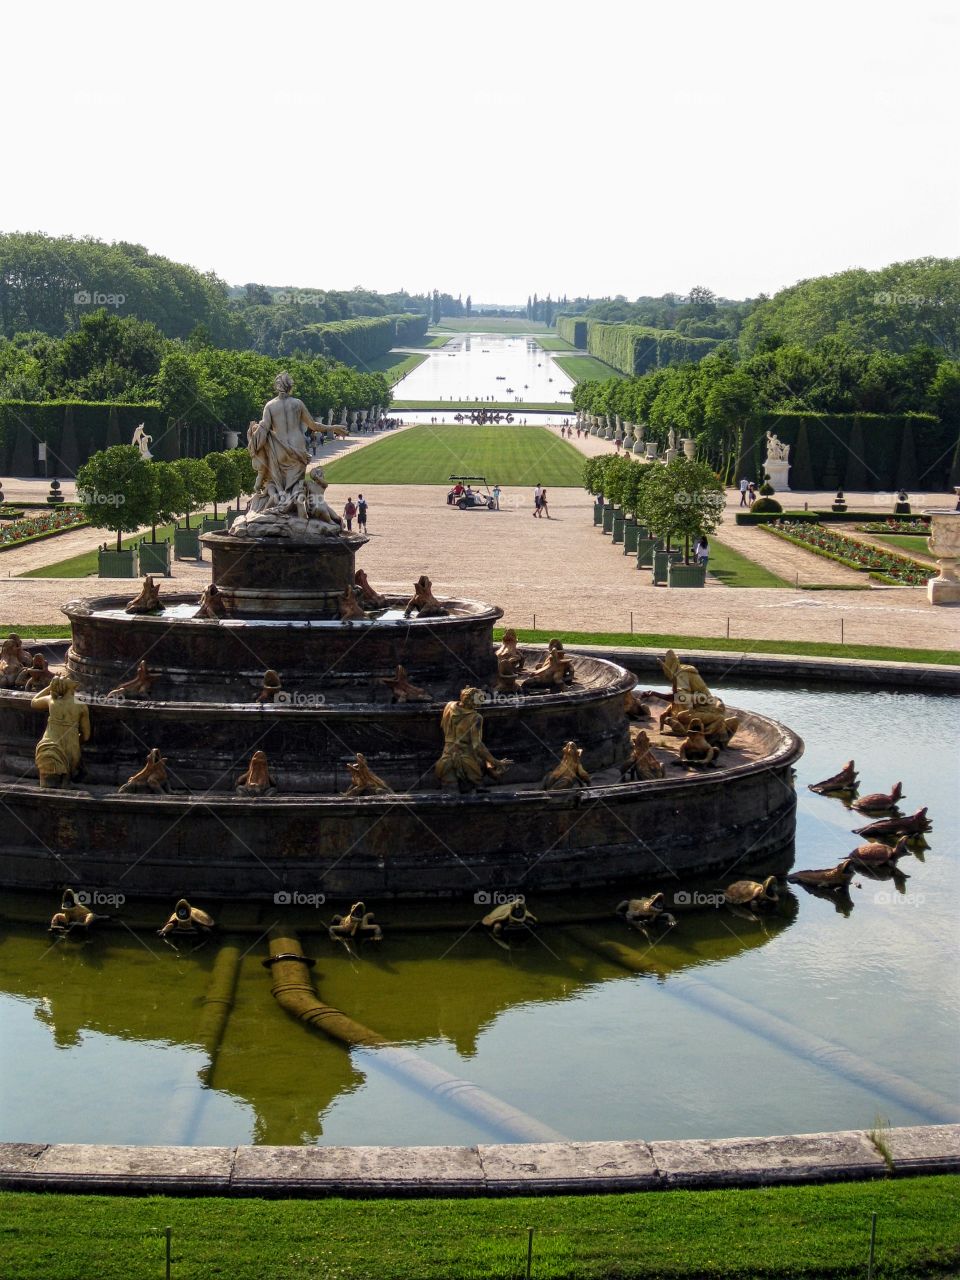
{"x": 198, "y": 486}
{"x": 225, "y": 486}
{"x": 682, "y": 499}
{"x": 155, "y": 557}
{"x": 116, "y": 490}
{"x": 245, "y": 477}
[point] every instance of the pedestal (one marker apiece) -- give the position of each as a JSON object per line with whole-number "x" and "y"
{"x": 779, "y": 473}
{"x": 944, "y": 543}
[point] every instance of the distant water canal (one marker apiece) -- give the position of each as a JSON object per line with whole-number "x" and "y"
{"x": 478, "y": 366}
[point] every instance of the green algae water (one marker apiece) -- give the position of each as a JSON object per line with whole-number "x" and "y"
{"x": 809, "y": 1019}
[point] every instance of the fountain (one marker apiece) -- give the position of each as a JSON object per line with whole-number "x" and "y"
{"x": 268, "y": 671}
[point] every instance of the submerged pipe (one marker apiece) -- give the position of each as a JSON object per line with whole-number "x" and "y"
{"x": 770, "y": 1026}
{"x": 294, "y": 991}
{"x": 217, "y": 1004}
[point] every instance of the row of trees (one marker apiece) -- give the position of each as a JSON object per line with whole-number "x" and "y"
{"x": 678, "y": 500}
{"x": 121, "y": 491}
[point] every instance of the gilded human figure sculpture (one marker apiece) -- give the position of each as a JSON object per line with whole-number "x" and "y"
{"x": 58, "y": 755}
{"x": 691, "y": 699}
{"x": 466, "y": 762}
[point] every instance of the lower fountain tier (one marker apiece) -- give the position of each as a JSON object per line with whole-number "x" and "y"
{"x": 309, "y": 741}
{"x": 223, "y": 660}
{"x": 414, "y": 845}
{"x": 281, "y": 577}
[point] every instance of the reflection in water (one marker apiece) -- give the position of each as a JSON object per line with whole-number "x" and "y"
{"x": 508, "y": 369}
{"x": 724, "y": 1024}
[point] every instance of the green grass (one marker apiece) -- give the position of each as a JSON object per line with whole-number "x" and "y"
{"x": 490, "y": 324}
{"x": 587, "y": 368}
{"x": 508, "y": 406}
{"x": 394, "y": 365}
{"x": 431, "y": 340}
{"x": 799, "y": 1232}
{"x": 37, "y": 631}
{"x": 553, "y": 342}
{"x": 740, "y": 644}
{"x": 736, "y": 570}
{"x": 915, "y": 544}
{"x": 86, "y": 564}
{"x": 430, "y": 455}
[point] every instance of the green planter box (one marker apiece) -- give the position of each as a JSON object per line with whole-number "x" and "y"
{"x": 118, "y": 564}
{"x": 645, "y": 549}
{"x": 631, "y": 535}
{"x": 155, "y": 557}
{"x": 686, "y": 575}
{"x": 618, "y": 523}
{"x": 210, "y": 523}
{"x": 608, "y": 513}
{"x": 661, "y": 564}
{"x": 597, "y": 513}
{"x": 186, "y": 544}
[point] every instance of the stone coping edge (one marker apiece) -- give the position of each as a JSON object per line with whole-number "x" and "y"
{"x": 483, "y": 1170}
{"x": 716, "y": 663}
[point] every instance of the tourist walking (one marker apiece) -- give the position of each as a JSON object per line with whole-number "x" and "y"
{"x": 744, "y": 485}
{"x": 536, "y": 500}
{"x": 496, "y": 497}
{"x": 543, "y": 504}
{"x": 361, "y": 513}
{"x": 751, "y": 494}
{"x": 701, "y": 552}
{"x": 349, "y": 511}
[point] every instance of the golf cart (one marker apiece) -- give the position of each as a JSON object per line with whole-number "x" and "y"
{"x": 466, "y": 498}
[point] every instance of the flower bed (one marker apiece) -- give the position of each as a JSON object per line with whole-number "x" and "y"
{"x": 917, "y": 526}
{"x": 884, "y": 566}
{"x": 41, "y": 526}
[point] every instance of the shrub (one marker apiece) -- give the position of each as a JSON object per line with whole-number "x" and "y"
{"x": 764, "y": 506}
{"x": 766, "y": 489}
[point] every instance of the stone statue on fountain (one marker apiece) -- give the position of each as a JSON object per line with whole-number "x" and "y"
{"x": 287, "y": 501}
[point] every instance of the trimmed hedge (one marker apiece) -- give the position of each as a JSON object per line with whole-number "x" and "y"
{"x": 636, "y": 349}
{"x": 410, "y": 328}
{"x": 72, "y": 431}
{"x": 857, "y": 450}
{"x": 574, "y": 329}
{"x": 827, "y": 516}
{"x": 356, "y": 341}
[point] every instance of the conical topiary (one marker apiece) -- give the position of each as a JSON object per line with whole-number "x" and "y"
{"x": 855, "y": 476}
{"x": 801, "y": 468}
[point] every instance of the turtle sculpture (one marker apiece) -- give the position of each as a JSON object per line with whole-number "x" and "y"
{"x": 269, "y": 687}
{"x": 641, "y": 765}
{"x": 187, "y": 919}
{"x": 363, "y": 781}
{"x": 569, "y": 772}
{"x": 874, "y": 854}
{"x": 509, "y": 917}
{"x": 72, "y": 914}
{"x": 349, "y": 606}
{"x": 837, "y": 877}
{"x": 752, "y": 894}
{"x": 401, "y": 688}
{"x": 151, "y": 778}
{"x": 257, "y": 780}
{"x": 641, "y": 912}
{"x": 845, "y": 780}
{"x": 879, "y": 801}
{"x": 423, "y": 602}
{"x": 357, "y": 923}
{"x": 912, "y": 824}
{"x": 211, "y": 603}
{"x": 138, "y": 687}
{"x": 371, "y": 599}
{"x": 148, "y": 598}
{"x": 695, "y": 751}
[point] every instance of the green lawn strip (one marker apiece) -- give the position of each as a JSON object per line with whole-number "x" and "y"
{"x": 37, "y": 630}
{"x": 394, "y": 365}
{"x": 913, "y": 543}
{"x": 491, "y": 324}
{"x": 430, "y": 455}
{"x": 504, "y": 406}
{"x": 86, "y": 564}
{"x": 798, "y": 648}
{"x": 554, "y": 343}
{"x": 431, "y": 340}
{"x": 736, "y": 570}
{"x": 587, "y": 368}
{"x": 799, "y": 1232}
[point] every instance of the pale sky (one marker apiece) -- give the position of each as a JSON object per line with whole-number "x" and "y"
{"x": 495, "y": 148}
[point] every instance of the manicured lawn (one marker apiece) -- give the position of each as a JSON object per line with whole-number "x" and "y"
{"x": 490, "y": 324}
{"x": 587, "y": 368}
{"x": 430, "y": 455}
{"x": 86, "y": 564}
{"x": 780, "y": 1231}
{"x": 741, "y": 644}
{"x": 736, "y": 570}
{"x": 909, "y": 543}
{"x": 508, "y": 406}
{"x": 554, "y": 343}
{"x": 431, "y": 340}
{"x": 394, "y": 365}
{"x": 37, "y": 631}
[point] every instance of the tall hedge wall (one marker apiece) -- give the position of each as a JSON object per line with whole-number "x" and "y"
{"x": 410, "y": 328}
{"x": 871, "y": 451}
{"x": 356, "y": 341}
{"x": 72, "y": 430}
{"x": 574, "y": 329}
{"x": 636, "y": 349}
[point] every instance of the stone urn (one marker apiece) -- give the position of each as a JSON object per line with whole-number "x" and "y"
{"x": 944, "y": 543}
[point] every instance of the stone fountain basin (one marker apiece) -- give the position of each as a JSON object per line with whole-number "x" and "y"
{"x": 414, "y": 844}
